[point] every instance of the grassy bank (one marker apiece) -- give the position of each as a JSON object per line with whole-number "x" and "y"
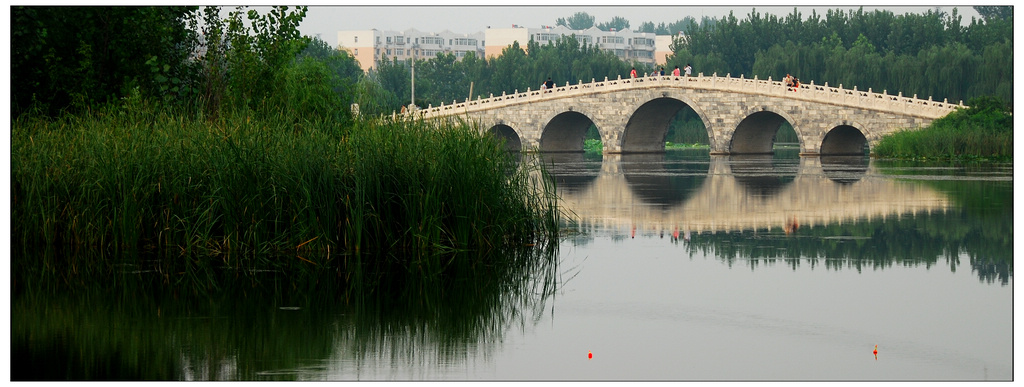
{"x": 250, "y": 185}
{"x": 984, "y": 131}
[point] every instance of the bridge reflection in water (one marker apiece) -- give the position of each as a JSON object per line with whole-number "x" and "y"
{"x": 649, "y": 194}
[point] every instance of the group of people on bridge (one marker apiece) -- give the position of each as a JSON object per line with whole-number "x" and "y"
{"x": 659, "y": 72}
{"x": 791, "y": 81}
{"x": 547, "y": 85}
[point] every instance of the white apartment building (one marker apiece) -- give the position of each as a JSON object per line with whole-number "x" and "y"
{"x": 369, "y": 45}
{"x": 627, "y": 45}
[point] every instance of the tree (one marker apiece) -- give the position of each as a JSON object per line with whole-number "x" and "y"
{"x": 394, "y": 77}
{"x": 243, "y": 67}
{"x": 73, "y": 57}
{"x": 993, "y": 13}
{"x": 578, "y": 21}
{"x": 509, "y": 69}
{"x": 618, "y": 23}
{"x": 340, "y": 63}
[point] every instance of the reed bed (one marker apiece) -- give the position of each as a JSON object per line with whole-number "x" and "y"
{"x": 254, "y": 192}
{"x": 984, "y": 131}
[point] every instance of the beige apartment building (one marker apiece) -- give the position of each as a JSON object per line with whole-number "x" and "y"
{"x": 369, "y": 45}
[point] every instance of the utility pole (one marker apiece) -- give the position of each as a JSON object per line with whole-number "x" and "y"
{"x": 412, "y": 101}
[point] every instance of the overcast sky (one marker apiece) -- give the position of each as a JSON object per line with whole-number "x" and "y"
{"x": 434, "y": 17}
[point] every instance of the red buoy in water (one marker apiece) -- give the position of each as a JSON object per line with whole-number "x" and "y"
{"x": 590, "y": 355}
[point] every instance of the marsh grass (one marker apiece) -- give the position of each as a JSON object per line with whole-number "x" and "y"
{"x": 983, "y": 131}
{"x": 250, "y": 192}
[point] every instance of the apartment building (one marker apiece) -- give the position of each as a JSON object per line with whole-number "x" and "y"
{"x": 369, "y": 45}
{"x": 627, "y": 45}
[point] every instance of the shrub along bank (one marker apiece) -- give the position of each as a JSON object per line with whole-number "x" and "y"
{"x": 983, "y": 131}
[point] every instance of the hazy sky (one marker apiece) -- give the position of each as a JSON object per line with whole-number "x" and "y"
{"x": 327, "y": 20}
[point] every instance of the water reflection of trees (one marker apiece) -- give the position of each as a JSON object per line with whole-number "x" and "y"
{"x": 279, "y": 328}
{"x": 928, "y": 238}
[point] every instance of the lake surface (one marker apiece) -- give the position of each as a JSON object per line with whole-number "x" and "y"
{"x": 676, "y": 267}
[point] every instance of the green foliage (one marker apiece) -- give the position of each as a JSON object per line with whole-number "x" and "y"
{"x": 982, "y": 131}
{"x": 993, "y": 13}
{"x": 70, "y": 58}
{"x": 264, "y": 156}
{"x": 578, "y": 21}
{"x": 245, "y": 65}
{"x": 617, "y": 23}
{"x": 250, "y": 183}
{"x": 75, "y": 59}
{"x": 444, "y": 79}
{"x": 928, "y": 55}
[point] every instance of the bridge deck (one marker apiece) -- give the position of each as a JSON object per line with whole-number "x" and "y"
{"x": 913, "y": 106}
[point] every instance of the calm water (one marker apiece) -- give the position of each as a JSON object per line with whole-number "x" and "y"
{"x": 679, "y": 267}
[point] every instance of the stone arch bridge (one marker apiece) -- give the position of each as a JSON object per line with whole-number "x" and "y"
{"x": 741, "y": 115}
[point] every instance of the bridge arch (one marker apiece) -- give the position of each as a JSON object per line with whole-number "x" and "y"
{"x": 843, "y": 140}
{"x": 755, "y": 134}
{"x": 648, "y": 125}
{"x": 565, "y": 132}
{"x": 504, "y": 132}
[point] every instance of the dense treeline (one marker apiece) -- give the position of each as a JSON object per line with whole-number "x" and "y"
{"x": 186, "y": 59}
{"x": 928, "y": 55}
{"x": 444, "y": 79}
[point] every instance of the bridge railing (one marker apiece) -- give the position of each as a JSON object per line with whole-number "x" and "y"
{"x": 811, "y": 92}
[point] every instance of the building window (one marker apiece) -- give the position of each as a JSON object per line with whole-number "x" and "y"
{"x": 546, "y": 37}
{"x": 356, "y": 38}
{"x": 356, "y": 51}
{"x": 612, "y": 39}
{"x": 583, "y": 39}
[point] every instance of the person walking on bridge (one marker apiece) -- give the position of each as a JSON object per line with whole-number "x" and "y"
{"x": 675, "y": 71}
{"x": 632, "y": 73}
{"x": 550, "y": 85}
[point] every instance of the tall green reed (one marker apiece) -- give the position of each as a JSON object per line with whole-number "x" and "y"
{"x": 253, "y": 192}
{"x": 982, "y": 131}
